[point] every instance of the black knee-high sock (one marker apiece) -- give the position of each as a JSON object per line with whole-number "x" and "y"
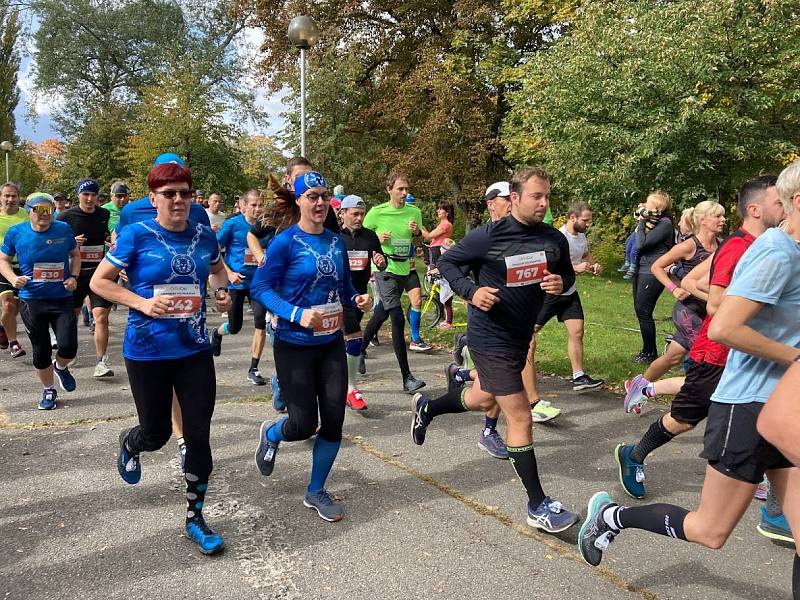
{"x": 796, "y": 578}
{"x": 195, "y": 497}
{"x": 663, "y": 519}
{"x": 523, "y": 460}
{"x": 450, "y": 403}
{"x": 655, "y": 437}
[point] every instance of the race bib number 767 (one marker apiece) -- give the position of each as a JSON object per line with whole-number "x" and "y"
{"x": 525, "y": 269}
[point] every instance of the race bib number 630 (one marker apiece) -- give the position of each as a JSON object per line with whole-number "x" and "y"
{"x": 525, "y": 269}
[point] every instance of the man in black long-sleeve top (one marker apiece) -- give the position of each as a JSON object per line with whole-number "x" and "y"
{"x": 515, "y": 261}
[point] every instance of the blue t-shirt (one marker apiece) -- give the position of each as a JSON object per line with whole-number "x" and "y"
{"x": 233, "y": 237}
{"x": 304, "y": 270}
{"x": 769, "y": 273}
{"x": 43, "y": 256}
{"x": 163, "y": 262}
{"x": 141, "y": 210}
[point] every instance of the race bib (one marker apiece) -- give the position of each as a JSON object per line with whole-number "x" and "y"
{"x": 249, "y": 259}
{"x": 332, "y": 319}
{"x": 186, "y": 299}
{"x": 402, "y": 247}
{"x": 359, "y": 259}
{"x": 48, "y": 272}
{"x": 525, "y": 269}
{"x": 92, "y": 254}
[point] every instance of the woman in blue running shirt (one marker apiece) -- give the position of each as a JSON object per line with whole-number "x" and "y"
{"x": 168, "y": 261}
{"x": 305, "y": 285}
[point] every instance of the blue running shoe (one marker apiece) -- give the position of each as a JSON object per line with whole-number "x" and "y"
{"x": 48, "y": 401}
{"x": 634, "y": 394}
{"x": 266, "y": 450}
{"x": 550, "y": 516}
{"x": 775, "y": 528}
{"x": 595, "y": 535}
{"x": 419, "y": 426}
{"x": 198, "y": 531}
{"x": 65, "y": 379}
{"x": 631, "y": 474}
{"x": 493, "y": 443}
{"x": 128, "y": 465}
{"x": 325, "y": 505}
{"x": 277, "y": 404}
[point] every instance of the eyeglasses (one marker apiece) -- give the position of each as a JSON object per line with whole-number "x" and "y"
{"x": 42, "y": 209}
{"x": 314, "y": 197}
{"x": 120, "y": 195}
{"x": 170, "y": 194}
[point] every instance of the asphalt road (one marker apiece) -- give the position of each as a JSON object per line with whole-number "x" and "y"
{"x": 443, "y": 520}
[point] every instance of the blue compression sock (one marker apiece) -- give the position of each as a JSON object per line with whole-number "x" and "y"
{"x": 414, "y": 318}
{"x": 323, "y": 455}
{"x": 275, "y": 433}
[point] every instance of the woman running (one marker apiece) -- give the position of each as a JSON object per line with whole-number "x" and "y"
{"x": 305, "y": 286}
{"x": 438, "y": 238}
{"x": 168, "y": 261}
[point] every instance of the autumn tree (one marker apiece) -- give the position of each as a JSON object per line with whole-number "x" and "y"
{"x": 9, "y": 67}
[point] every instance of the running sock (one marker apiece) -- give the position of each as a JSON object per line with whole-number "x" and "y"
{"x": 352, "y": 369}
{"x": 655, "y": 437}
{"x": 275, "y": 433}
{"x": 414, "y": 318}
{"x": 650, "y": 390}
{"x": 663, "y": 519}
{"x": 450, "y": 403}
{"x": 195, "y": 497}
{"x": 180, "y": 441}
{"x": 323, "y": 455}
{"x": 577, "y": 374}
{"x": 523, "y": 460}
{"x": 774, "y": 507}
{"x": 223, "y": 329}
{"x": 59, "y": 367}
{"x": 49, "y": 387}
{"x": 490, "y": 423}
{"x": 254, "y": 363}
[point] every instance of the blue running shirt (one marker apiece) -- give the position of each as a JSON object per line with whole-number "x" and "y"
{"x": 141, "y": 210}
{"x": 43, "y": 256}
{"x": 233, "y": 237}
{"x": 163, "y": 262}
{"x": 305, "y": 271}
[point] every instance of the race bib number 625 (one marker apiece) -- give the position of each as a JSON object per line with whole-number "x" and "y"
{"x": 525, "y": 269}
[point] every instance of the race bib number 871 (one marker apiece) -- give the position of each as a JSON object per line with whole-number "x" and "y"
{"x": 525, "y": 269}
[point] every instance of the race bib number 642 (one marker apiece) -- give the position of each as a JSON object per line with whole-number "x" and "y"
{"x": 525, "y": 269}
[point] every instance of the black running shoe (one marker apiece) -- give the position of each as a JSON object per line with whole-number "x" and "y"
{"x": 266, "y": 451}
{"x": 584, "y": 382}
{"x": 419, "y": 426}
{"x": 411, "y": 384}
{"x": 216, "y": 342}
{"x": 459, "y": 341}
{"x": 362, "y": 363}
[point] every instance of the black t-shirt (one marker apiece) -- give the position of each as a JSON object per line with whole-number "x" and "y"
{"x": 94, "y": 226}
{"x": 360, "y": 244}
{"x": 510, "y": 256}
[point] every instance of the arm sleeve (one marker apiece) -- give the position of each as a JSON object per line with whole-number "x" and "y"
{"x": 463, "y": 258}
{"x": 375, "y": 246}
{"x": 121, "y": 254}
{"x": 661, "y": 233}
{"x": 266, "y": 281}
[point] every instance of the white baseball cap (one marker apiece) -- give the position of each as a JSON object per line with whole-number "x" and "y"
{"x": 499, "y": 188}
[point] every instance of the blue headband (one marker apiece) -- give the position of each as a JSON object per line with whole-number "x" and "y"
{"x": 302, "y": 183}
{"x": 87, "y": 185}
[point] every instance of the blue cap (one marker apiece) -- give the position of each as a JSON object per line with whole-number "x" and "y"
{"x": 87, "y": 185}
{"x": 302, "y": 183}
{"x": 169, "y": 157}
{"x": 410, "y": 199}
{"x": 38, "y": 198}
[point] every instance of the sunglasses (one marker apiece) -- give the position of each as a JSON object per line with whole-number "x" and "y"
{"x": 42, "y": 209}
{"x": 170, "y": 194}
{"x": 314, "y": 197}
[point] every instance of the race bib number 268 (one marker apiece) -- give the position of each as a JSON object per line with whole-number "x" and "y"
{"x": 525, "y": 269}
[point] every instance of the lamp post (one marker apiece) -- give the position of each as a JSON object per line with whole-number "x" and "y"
{"x": 303, "y": 33}
{"x": 6, "y": 147}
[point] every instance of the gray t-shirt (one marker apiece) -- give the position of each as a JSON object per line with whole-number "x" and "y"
{"x": 578, "y": 248}
{"x": 216, "y": 220}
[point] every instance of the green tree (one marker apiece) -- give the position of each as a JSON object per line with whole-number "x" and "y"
{"x": 9, "y": 67}
{"x": 689, "y": 96}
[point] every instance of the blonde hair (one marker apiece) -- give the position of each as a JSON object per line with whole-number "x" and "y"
{"x": 662, "y": 200}
{"x": 788, "y": 185}
{"x": 687, "y": 219}
{"x": 706, "y": 208}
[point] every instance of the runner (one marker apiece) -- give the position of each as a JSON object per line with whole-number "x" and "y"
{"x": 49, "y": 263}
{"x": 10, "y": 215}
{"x": 216, "y": 216}
{"x": 397, "y": 224}
{"x": 363, "y": 250}
{"x": 760, "y": 209}
{"x": 89, "y": 223}
{"x": 305, "y": 281}
{"x": 758, "y": 320}
{"x": 568, "y": 309}
{"x": 516, "y": 261}
{"x": 689, "y": 311}
{"x": 439, "y": 239}
{"x": 241, "y": 266}
{"x": 120, "y": 195}
{"x": 62, "y": 203}
{"x": 168, "y": 261}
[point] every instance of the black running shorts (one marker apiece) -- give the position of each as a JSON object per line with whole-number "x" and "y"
{"x": 83, "y": 290}
{"x": 733, "y": 446}
{"x": 566, "y": 308}
{"x": 7, "y": 288}
{"x": 500, "y": 375}
{"x": 691, "y": 403}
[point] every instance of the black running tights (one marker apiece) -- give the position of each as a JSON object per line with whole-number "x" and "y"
{"x": 646, "y": 290}
{"x": 379, "y": 317}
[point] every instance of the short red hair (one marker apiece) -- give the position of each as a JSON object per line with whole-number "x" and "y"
{"x": 161, "y": 175}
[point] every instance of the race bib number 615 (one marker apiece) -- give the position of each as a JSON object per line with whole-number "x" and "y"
{"x": 525, "y": 269}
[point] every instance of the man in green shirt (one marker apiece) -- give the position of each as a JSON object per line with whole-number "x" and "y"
{"x": 397, "y": 225}
{"x": 10, "y": 214}
{"x": 120, "y": 194}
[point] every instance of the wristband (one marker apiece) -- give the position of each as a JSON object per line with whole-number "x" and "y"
{"x": 672, "y": 287}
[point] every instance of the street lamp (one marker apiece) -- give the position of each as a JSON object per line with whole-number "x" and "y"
{"x": 6, "y": 147}
{"x": 303, "y": 33}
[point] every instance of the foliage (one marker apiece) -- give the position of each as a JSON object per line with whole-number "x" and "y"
{"x": 9, "y": 66}
{"x": 23, "y": 168}
{"x": 690, "y": 96}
